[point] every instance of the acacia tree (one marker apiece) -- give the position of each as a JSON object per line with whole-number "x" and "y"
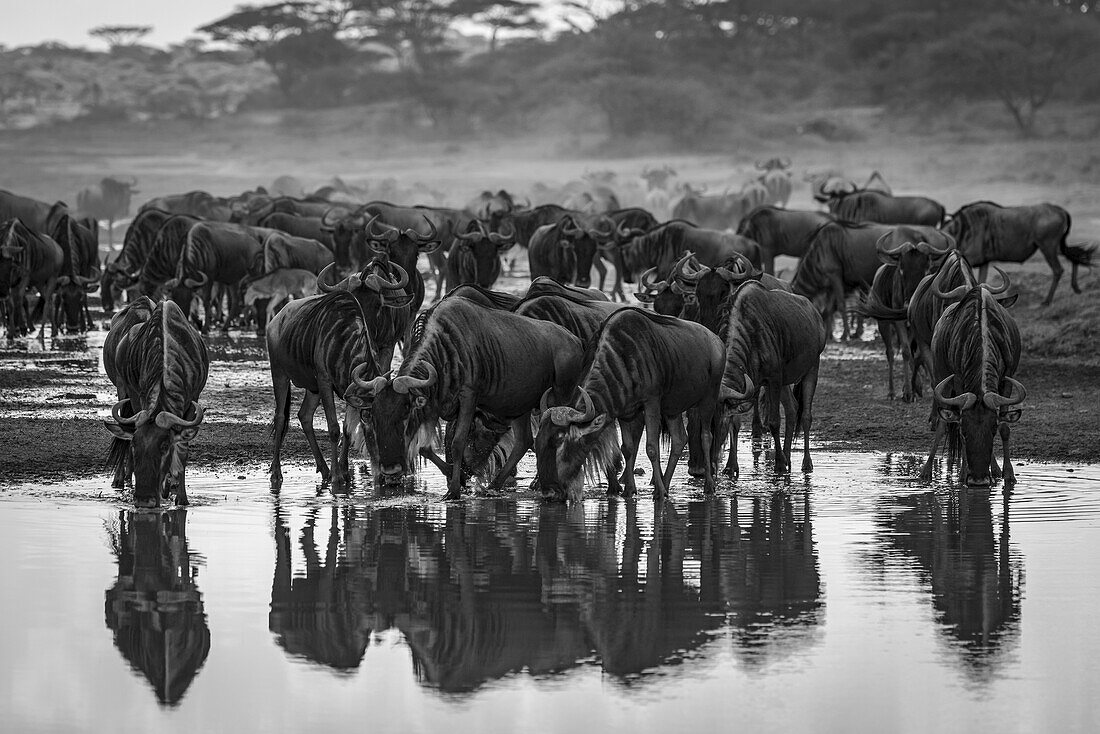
{"x": 120, "y": 35}
{"x": 511, "y": 15}
{"x": 1024, "y": 56}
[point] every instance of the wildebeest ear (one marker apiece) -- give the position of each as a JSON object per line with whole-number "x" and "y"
{"x": 1010, "y": 416}
{"x": 1008, "y": 301}
{"x": 949, "y": 415}
{"x": 118, "y": 431}
{"x": 420, "y": 401}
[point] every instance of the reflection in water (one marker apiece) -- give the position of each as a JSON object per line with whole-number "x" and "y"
{"x": 486, "y": 589}
{"x": 976, "y": 579}
{"x": 155, "y": 608}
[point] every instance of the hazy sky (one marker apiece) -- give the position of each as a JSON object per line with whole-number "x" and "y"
{"x": 27, "y": 22}
{"x": 34, "y": 21}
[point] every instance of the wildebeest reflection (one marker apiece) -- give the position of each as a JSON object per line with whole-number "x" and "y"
{"x": 976, "y": 581}
{"x": 494, "y": 588}
{"x": 155, "y": 608}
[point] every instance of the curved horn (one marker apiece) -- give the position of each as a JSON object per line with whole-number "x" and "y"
{"x": 135, "y": 420}
{"x": 731, "y": 277}
{"x": 954, "y": 293}
{"x": 401, "y": 281}
{"x": 896, "y": 252}
{"x": 371, "y": 386}
{"x": 649, "y": 280}
{"x": 962, "y": 402}
{"x": 432, "y": 231}
{"x": 502, "y": 239}
{"x": 1002, "y": 286}
{"x": 171, "y": 420}
{"x": 323, "y": 283}
{"x": 469, "y": 236}
{"x": 572, "y": 229}
{"x": 994, "y": 400}
{"x": 566, "y": 415}
{"x": 728, "y": 393}
{"x": 405, "y": 383}
{"x": 681, "y": 273}
{"x": 325, "y": 224}
{"x": 544, "y": 402}
{"x": 193, "y": 283}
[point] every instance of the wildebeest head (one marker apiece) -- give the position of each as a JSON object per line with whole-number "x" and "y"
{"x": 159, "y": 441}
{"x": 657, "y": 178}
{"x": 401, "y": 245}
{"x": 347, "y": 233}
{"x": 914, "y": 256}
{"x": 381, "y": 284}
{"x": 977, "y": 339}
{"x": 112, "y": 283}
{"x": 706, "y": 289}
{"x": 586, "y": 243}
{"x": 665, "y": 299}
{"x": 483, "y": 249}
{"x": 570, "y": 443}
{"x": 395, "y": 414}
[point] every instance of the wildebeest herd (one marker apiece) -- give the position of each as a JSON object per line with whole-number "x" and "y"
{"x": 571, "y": 371}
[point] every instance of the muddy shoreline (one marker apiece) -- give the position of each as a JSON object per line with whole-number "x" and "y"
{"x": 52, "y": 405}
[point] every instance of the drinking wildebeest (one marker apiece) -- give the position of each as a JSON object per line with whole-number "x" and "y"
{"x": 471, "y": 358}
{"x": 160, "y": 366}
{"x": 773, "y": 340}
{"x": 315, "y": 344}
{"x": 644, "y": 370}
{"x": 988, "y": 232}
{"x": 975, "y": 353}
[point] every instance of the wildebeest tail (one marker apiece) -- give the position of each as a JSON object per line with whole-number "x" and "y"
{"x": 1076, "y": 254}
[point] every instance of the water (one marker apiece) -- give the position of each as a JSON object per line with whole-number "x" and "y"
{"x": 855, "y": 600}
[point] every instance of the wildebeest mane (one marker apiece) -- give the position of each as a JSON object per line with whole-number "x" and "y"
{"x": 495, "y": 299}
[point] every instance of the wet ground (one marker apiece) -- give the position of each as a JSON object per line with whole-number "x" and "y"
{"x": 859, "y": 597}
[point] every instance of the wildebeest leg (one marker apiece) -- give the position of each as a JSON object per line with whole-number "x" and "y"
{"x": 617, "y": 288}
{"x": 926, "y": 471}
{"x": 332, "y": 418}
{"x": 632, "y": 435}
{"x": 427, "y": 452}
{"x": 461, "y": 425}
{"x": 521, "y": 432}
{"x": 696, "y": 457}
{"x": 679, "y": 440}
{"x": 771, "y": 420}
{"x": 808, "y": 388}
{"x": 886, "y": 331}
{"x": 709, "y": 423}
{"x": 281, "y": 383}
{"x": 305, "y": 417}
{"x": 1007, "y": 472}
{"x": 601, "y": 269}
{"x": 653, "y": 446}
{"x": 438, "y": 262}
{"x": 1073, "y": 278}
{"x": 790, "y": 412}
{"x": 351, "y": 420}
{"x": 181, "y": 486}
{"x": 732, "y": 469}
{"x": 49, "y": 310}
{"x": 1051, "y": 257}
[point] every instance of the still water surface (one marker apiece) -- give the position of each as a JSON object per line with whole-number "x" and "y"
{"x": 856, "y": 600}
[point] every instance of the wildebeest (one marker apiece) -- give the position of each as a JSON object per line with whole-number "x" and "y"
{"x": 780, "y": 232}
{"x": 385, "y": 298}
{"x": 777, "y": 182}
{"x": 37, "y": 216}
{"x": 487, "y": 204}
{"x": 552, "y": 251}
{"x": 123, "y": 272}
{"x": 643, "y": 370}
{"x": 80, "y": 273}
{"x": 196, "y": 203}
{"x": 665, "y": 244}
{"x": 841, "y": 257}
{"x": 908, "y": 254}
{"x": 160, "y": 367}
{"x": 154, "y": 608}
{"x": 312, "y": 228}
{"x": 830, "y": 184}
{"x": 107, "y": 200}
{"x": 773, "y": 340}
{"x": 275, "y": 289}
{"x": 136, "y": 312}
{"x": 715, "y": 211}
{"x": 315, "y": 344}
{"x": 464, "y": 358}
{"x": 282, "y": 250}
{"x": 975, "y": 353}
{"x": 249, "y": 210}
{"x": 402, "y": 247}
{"x": 875, "y": 206}
{"x": 163, "y": 255}
{"x": 544, "y": 285}
{"x": 28, "y": 258}
{"x": 475, "y": 256}
{"x": 988, "y": 232}
{"x": 215, "y": 252}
